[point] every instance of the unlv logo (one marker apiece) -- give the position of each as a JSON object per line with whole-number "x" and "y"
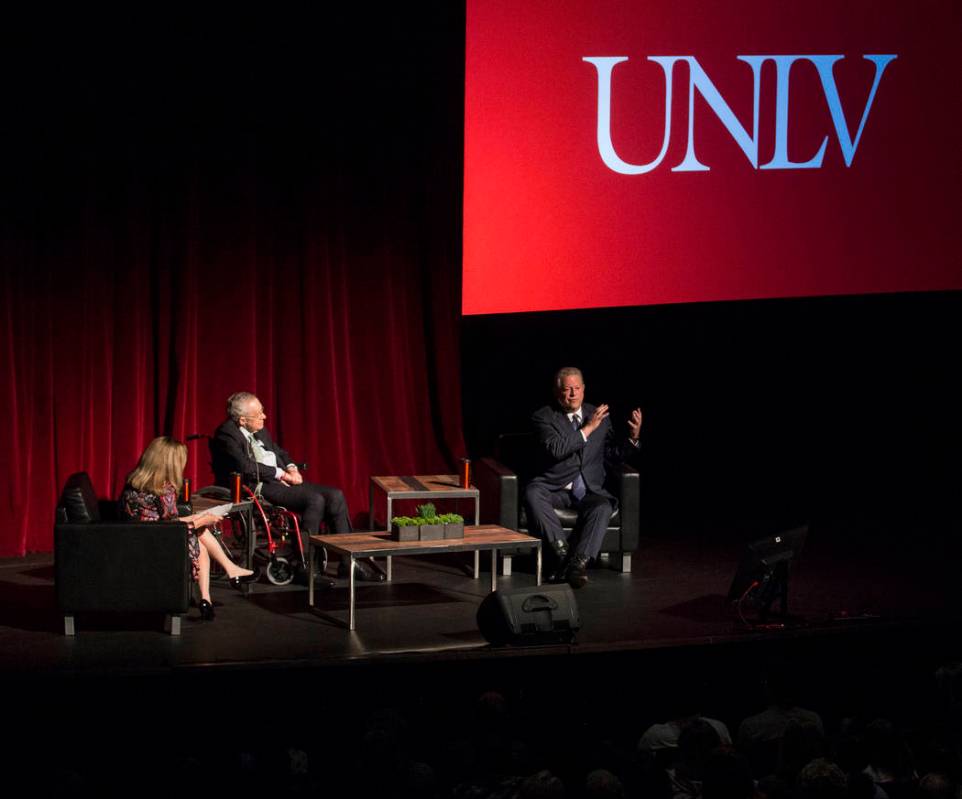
{"x": 747, "y": 142}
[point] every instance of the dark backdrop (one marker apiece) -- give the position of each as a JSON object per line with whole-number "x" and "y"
{"x": 192, "y": 205}
{"x": 757, "y": 414}
{"x": 197, "y": 203}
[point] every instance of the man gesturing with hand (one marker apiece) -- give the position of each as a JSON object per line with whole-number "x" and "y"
{"x": 576, "y": 443}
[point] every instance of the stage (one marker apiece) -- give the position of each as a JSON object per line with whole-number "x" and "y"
{"x": 850, "y": 578}
{"x": 878, "y": 612}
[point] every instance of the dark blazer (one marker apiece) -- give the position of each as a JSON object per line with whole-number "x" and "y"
{"x": 564, "y": 452}
{"x": 231, "y": 452}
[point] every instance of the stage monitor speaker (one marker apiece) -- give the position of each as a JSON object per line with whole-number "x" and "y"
{"x": 544, "y": 614}
{"x": 763, "y": 571}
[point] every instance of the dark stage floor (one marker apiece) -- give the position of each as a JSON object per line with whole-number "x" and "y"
{"x": 846, "y": 580}
{"x": 880, "y": 609}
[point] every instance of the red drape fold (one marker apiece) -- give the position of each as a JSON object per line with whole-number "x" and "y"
{"x": 130, "y": 323}
{"x": 194, "y": 210}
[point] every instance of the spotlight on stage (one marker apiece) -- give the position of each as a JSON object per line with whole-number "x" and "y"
{"x": 762, "y": 577}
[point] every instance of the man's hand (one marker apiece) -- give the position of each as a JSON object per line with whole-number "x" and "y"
{"x": 634, "y": 424}
{"x": 600, "y": 414}
{"x": 292, "y": 476}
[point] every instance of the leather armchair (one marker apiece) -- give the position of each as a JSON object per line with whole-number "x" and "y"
{"x": 113, "y": 566}
{"x": 501, "y": 481}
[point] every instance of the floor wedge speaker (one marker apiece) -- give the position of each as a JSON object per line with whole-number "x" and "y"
{"x": 544, "y": 614}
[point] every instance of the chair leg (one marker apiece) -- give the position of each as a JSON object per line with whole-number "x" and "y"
{"x": 625, "y": 562}
{"x": 172, "y": 623}
{"x": 506, "y": 565}
{"x": 68, "y": 626}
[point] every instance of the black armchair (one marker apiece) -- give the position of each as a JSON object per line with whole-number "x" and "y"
{"x": 501, "y": 481}
{"x": 117, "y": 566}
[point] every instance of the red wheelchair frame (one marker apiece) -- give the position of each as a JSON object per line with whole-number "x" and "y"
{"x": 279, "y": 556}
{"x": 283, "y": 553}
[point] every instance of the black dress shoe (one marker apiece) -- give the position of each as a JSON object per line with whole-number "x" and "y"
{"x": 320, "y": 559}
{"x": 206, "y": 610}
{"x": 578, "y": 571}
{"x": 237, "y": 582}
{"x": 379, "y": 574}
{"x": 558, "y": 563}
{"x": 365, "y": 569}
{"x": 321, "y": 581}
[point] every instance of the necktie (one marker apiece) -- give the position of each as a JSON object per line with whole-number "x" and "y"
{"x": 258, "y": 449}
{"x": 578, "y": 488}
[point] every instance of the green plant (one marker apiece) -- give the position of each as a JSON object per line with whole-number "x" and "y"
{"x": 423, "y": 518}
{"x": 427, "y": 510}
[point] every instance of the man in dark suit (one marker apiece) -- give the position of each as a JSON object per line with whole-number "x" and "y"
{"x": 242, "y": 444}
{"x": 576, "y": 441}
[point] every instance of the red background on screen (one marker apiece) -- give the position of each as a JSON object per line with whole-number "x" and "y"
{"x": 547, "y": 226}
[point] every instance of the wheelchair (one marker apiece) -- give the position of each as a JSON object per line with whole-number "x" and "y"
{"x": 268, "y": 536}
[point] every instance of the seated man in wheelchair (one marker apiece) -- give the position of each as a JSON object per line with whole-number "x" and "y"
{"x": 242, "y": 444}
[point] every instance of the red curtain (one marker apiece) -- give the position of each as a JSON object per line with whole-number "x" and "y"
{"x": 175, "y": 233}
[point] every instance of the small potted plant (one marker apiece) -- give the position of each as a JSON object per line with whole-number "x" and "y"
{"x": 404, "y": 528}
{"x": 453, "y": 525}
{"x": 432, "y": 528}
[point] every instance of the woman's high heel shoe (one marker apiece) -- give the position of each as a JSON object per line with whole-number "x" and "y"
{"x": 206, "y": 610}
{"x": 237, "y": 582}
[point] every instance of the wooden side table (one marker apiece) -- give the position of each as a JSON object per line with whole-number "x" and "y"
{"x": 244, "y": 508}
{"x": 419, "y": 486}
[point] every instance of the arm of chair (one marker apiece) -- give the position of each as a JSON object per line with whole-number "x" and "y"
{"x": 629, "y": 487}
{"x": 129, "y": 566}
{"x": 499, "y": 493}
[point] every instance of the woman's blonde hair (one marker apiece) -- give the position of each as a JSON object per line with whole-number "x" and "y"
{"x": 162, "y": 462}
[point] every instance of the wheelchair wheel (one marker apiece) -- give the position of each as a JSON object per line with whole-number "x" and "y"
{"x": 239, "y": 531}
{"x": 279, "y": 571}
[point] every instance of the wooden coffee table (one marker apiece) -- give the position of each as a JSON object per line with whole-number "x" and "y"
{"x": 245, "y": 508}
{"x": 478, "y": 538}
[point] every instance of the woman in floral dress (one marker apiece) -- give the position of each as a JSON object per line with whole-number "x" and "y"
{"x": 151, "y": 495}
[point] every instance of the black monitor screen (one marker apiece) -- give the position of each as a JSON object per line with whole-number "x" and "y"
{"x": 761, "y": 557}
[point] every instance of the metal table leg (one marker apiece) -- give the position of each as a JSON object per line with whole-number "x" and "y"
{"x": 310, "y": 572}
{"x": 387, "y": 525}
{"x": 370, "y": 506}
{"x": 351, "y": 583}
